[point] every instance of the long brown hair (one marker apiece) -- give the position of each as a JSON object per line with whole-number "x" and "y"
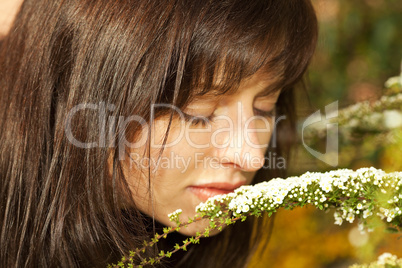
{"x": 60, "y": 204}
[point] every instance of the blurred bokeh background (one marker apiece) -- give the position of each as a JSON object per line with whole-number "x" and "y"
{"x": 360, "y": 47}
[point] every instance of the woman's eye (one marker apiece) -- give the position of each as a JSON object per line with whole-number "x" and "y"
{"x": 269, "y": 114}
{"x": 197, "y": 120}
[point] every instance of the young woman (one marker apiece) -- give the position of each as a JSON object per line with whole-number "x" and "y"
{"x": 116, "y": 113}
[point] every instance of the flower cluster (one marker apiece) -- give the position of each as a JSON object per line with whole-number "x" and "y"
{"x": 365, "y": 194}
{"x": 394, "y": 82}
{"x": 384, "y": 114}
{"x": 375, "y": 115}
{"x": 362, "y": 194}
{"x": 364, "y": 117}
{"x": 386, "y": 260}
{"x": 174, "y": 216}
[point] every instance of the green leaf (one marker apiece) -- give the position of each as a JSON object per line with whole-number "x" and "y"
{"x": 206, "y": 233}
{"x": 212, "y": 224}
{"x": 392, "y": 230}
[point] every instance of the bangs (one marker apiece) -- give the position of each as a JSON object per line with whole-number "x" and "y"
{"x": 235, "y": 40}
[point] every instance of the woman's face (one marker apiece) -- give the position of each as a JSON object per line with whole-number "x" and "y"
{"x": 216, "y": 144}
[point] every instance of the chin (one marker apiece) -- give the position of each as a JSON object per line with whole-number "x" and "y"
{"x": 199, "y": 226}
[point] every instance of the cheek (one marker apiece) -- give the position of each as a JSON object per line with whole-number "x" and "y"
{"x": 171, "y": 172}
{"x": 196, "y": 139}
{"x": 167, "y": 170}
{"x": 265, "y": 130}
{"x": 199, "y": 226}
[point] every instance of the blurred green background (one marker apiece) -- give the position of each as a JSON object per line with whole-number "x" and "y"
{"x": 360, "y": 47}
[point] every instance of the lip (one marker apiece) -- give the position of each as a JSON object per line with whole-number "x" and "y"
{"x": 205, "y": 191}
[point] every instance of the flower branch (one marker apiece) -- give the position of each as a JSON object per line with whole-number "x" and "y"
{"x": 365, "y": 195}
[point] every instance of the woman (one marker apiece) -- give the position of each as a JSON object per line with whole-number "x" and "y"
{"x": 116, "y": 113}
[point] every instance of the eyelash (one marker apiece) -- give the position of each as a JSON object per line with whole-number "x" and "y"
{"x": 197, "y": 120}
{"x": 268, "y": 114}
{"x": 204, "y": 120}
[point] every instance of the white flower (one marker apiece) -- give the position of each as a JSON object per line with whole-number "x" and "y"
{"x": 387, "y": 258}
{"x": 325, "y": 186}
{"x": 351, "y": 217}
{"x": 338, "y": 218}
{"x": 338, "y": 221}
{"x": 393, "y": 81}
{"x": 278, "y": 199}
{"x": 244, "y": 208}
{"x": 172, "y": 216}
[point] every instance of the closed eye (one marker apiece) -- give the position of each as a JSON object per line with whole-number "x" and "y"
{"x": 268, "y": 114}
{"x": 198, "y": 120}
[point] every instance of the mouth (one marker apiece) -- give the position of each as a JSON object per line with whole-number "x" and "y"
{"x": 205, "y": 191}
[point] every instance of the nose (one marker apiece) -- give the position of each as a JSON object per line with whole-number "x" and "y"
{"x": 244, "y": 146}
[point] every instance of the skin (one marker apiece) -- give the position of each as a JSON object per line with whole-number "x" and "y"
{"x": 212, "y": 153}
{"x": 8, "y": 10}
